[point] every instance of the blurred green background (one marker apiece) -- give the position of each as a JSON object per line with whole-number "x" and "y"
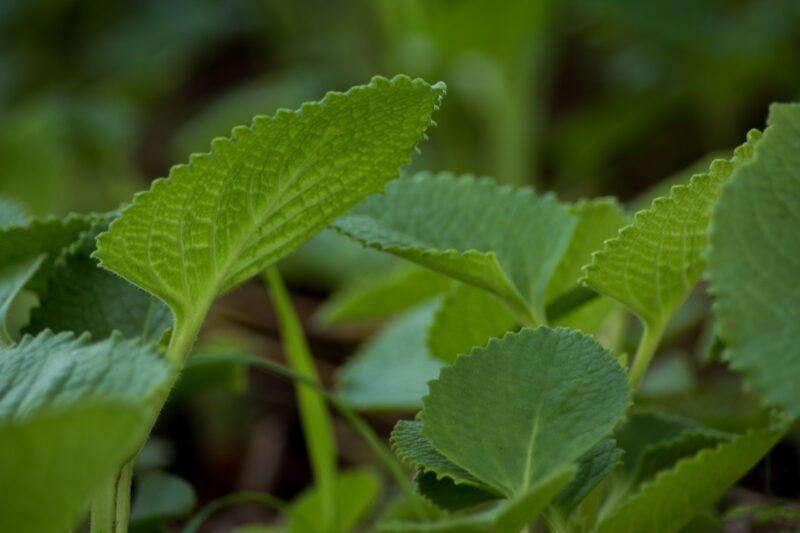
{"x": 585, "y": 98}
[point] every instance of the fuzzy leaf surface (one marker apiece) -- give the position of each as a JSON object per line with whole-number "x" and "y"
{"x": 755, "y": 263}
{"x": 71, "y": 413}
{"x": 413, "y": 447}
{"x": 673, "y": 497}
{"x": 592, "y": 466}
{"x": 503, "y": 240}
{"x": 391, "y": 371}
{"x": 227, "y": 215}
{"x": 653, "y": 264}
{"x": 515, "y": 411}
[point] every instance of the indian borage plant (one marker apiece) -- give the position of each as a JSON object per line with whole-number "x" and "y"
{"x": 535, "y": 419}
{"x": 73, "y": 412}
{"x": 532, "y": 424}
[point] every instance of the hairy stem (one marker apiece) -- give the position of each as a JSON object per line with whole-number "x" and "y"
{"x": 651, "y": 336}
{"x": 314, "y": 416}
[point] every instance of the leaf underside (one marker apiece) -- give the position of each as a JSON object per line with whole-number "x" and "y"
{"x": 505, "y": 241}
{"x": 227, "y": 215}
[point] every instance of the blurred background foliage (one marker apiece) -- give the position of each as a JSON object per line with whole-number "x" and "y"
{"x": 583, "y": 97}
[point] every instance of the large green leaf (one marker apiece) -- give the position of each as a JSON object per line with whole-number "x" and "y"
{"x": 71, "y": 413}
{"x": 755, "y": 263}
{"x": 593, "y": 466}
{"x": 467, "y": 317}
{"x": 506, "y": 241}
{"x": 391, "y": 371}
{"x": 673, "y": 497}
{"x": 382, "y": 295}
{"x": 524, "y": 406}
{"x": 509, "y": 515}
{"x": 653, "y": 264}
{"x": 81, "y": 297}
{"x": 228, "y": 214}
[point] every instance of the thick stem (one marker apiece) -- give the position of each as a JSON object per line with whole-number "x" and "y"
{"x": 648, "y": 344}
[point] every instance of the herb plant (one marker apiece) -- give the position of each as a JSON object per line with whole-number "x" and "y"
{"x": 509, "y": 302}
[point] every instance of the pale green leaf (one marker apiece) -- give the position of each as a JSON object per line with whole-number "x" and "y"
{"x": 413, "y": 447}
{"x": 506, "y": 241}
{"x": 391, "y": 371}
{"x": 382, "y": 295}
{"x": 524, "y": 406}
{"x": 229, "y": 214}
{"x": 509, "y": 515}
{"x": 81, "y": 297}
{"x": 755, "y": 263}
{"x": 653, "y": 264}
{"x": 673, "y": 497}
{"x": 467, "y": 317}
{"x": 357, "y": 492}
{"x": 71, "y": 413}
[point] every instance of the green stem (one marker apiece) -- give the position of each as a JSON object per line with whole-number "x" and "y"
{"x": 314, "y": 416}
{"x": 111, "y": 505}
{"x": 123, "y": 498}
{"x": 651, "y": 336}
{"x": 358, "y": 423}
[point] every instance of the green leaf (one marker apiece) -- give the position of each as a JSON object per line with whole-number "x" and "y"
{"x": 506, "y": 241}
{"x": 71, "y": 413}
{"x": 508, "y": 515}
{"x": 673, "y": 497}
{"x": 12, "y": 280}
{"x": 229, "y": 214}
{"x": 525, "y": 406}
{"x": 447, "y": 494}
{"x": 382, "y": 295}
{"x": 755, "y": 263}
{"x": 391, "y": 371}
{"x": 81, "y": 297}
{"x": 161, "y": 495}
{"x": 467, "y": 317}
{"x": 598, "y": 221}
{"x": 653, "y": 264}
{"x": 593, "y": 466}
{"x": 413, "y": 447}
{"x": 357, "y": 493}
{"x": 27, "y": 256}
{"x": 12, "y": 213}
